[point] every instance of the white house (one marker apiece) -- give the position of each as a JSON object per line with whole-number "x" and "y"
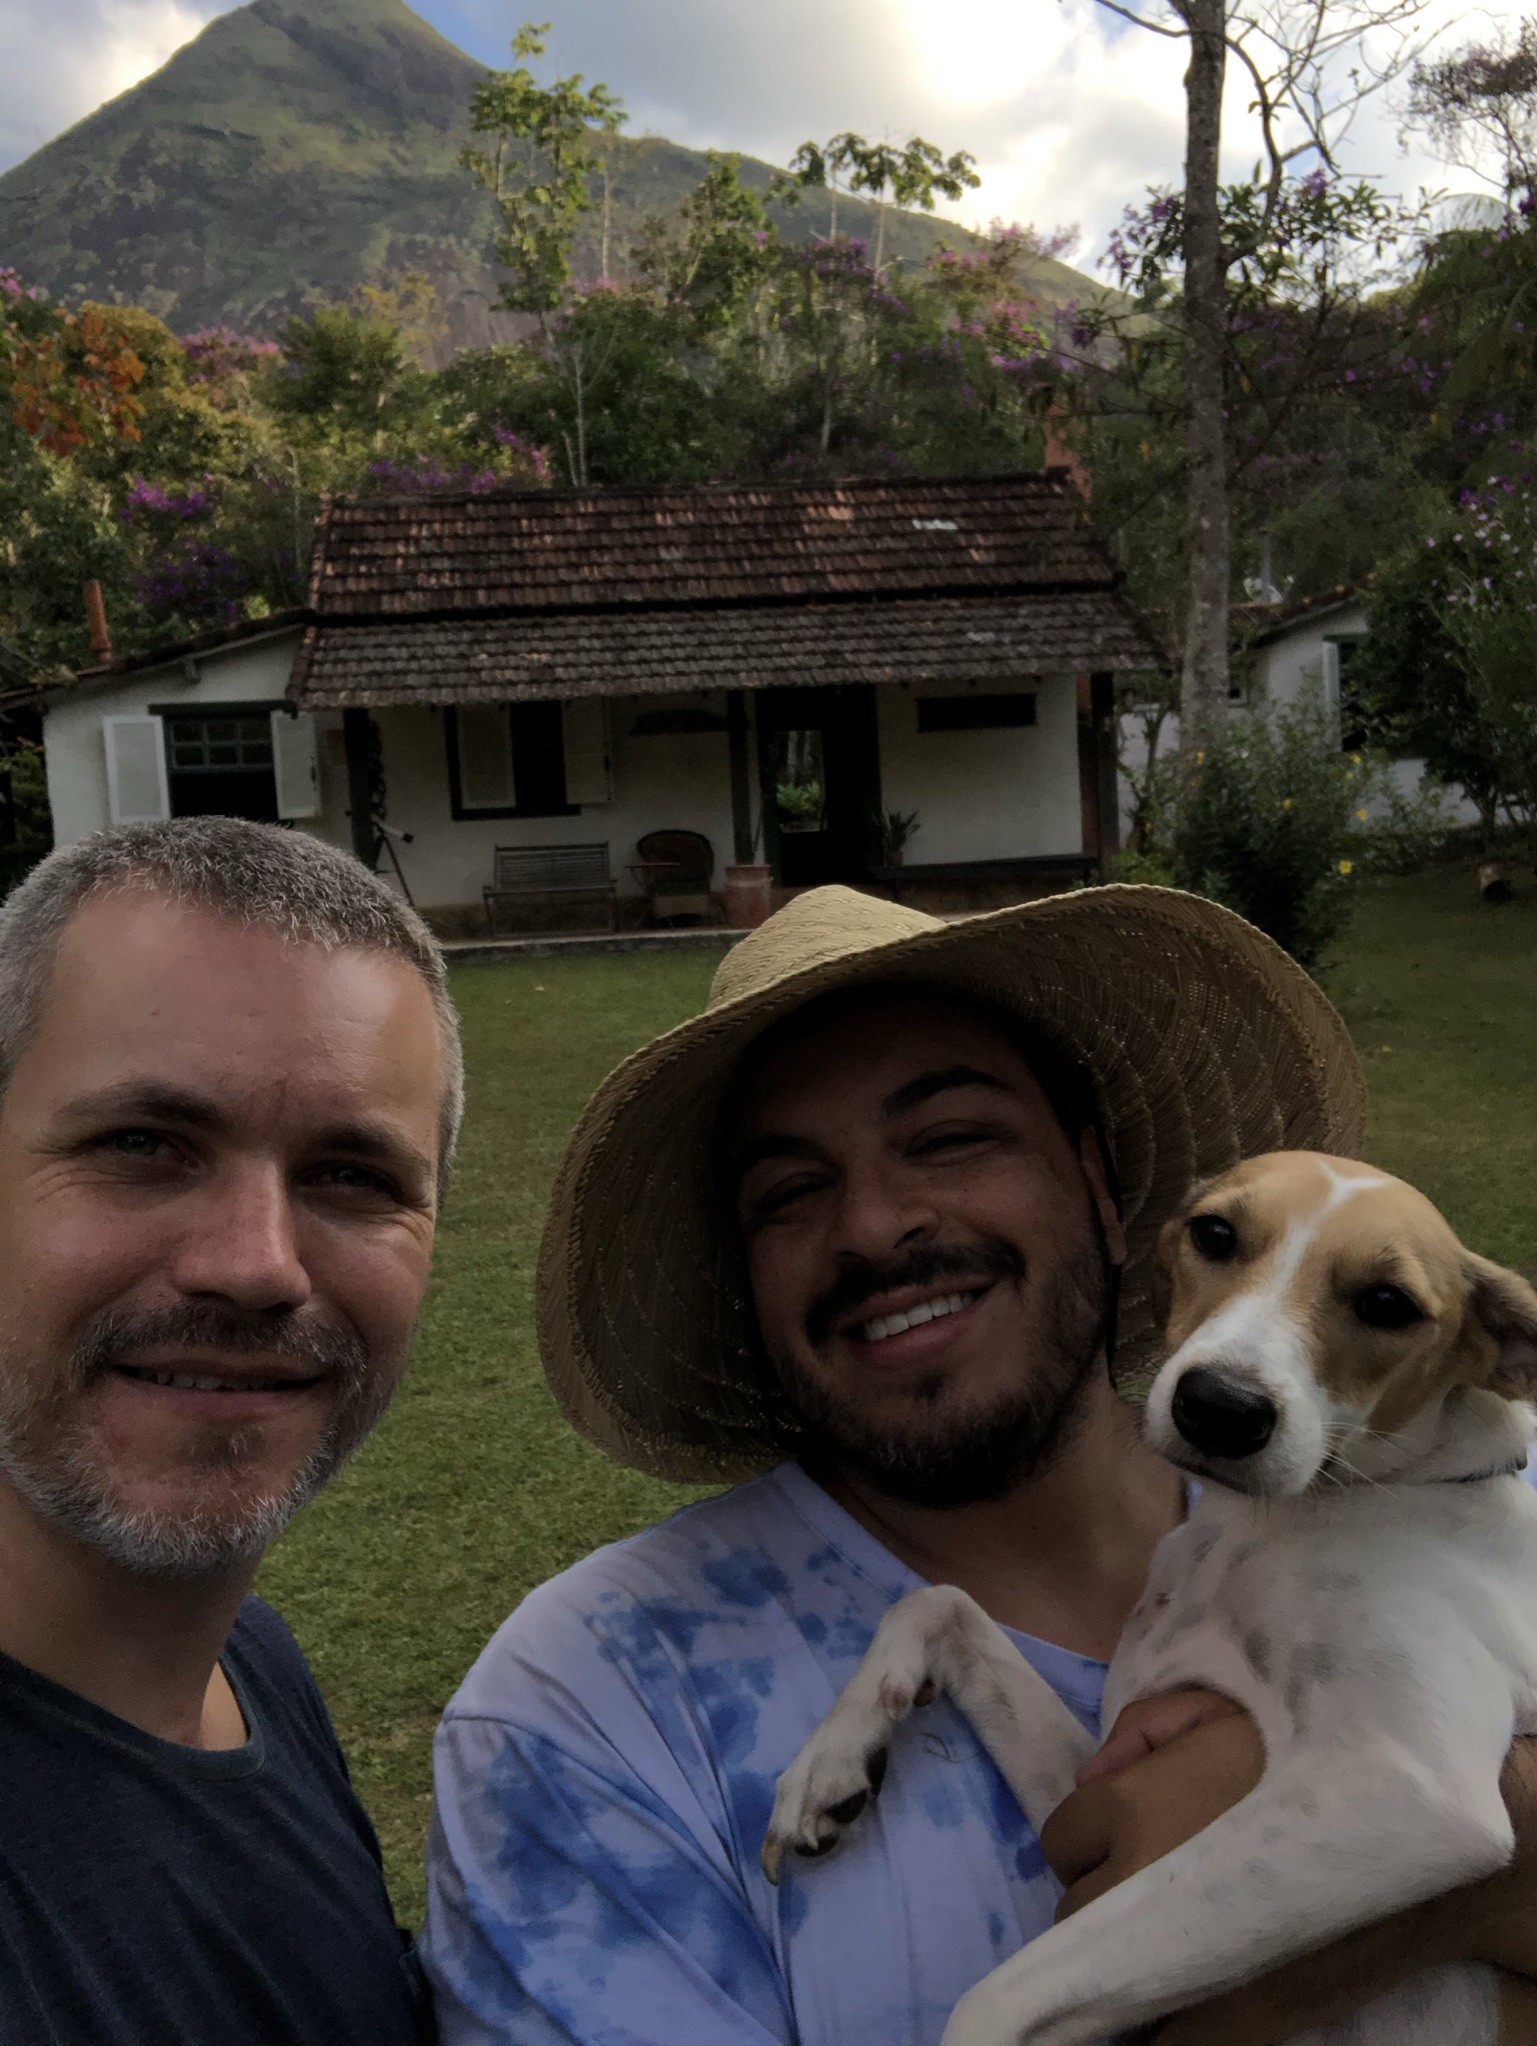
{"x": 557, "y": 675}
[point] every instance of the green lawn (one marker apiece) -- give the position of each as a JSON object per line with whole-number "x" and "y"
{"x": 474, "y": 1489}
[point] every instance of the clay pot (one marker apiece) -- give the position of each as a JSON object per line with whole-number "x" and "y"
{"x": 748, "y": 896}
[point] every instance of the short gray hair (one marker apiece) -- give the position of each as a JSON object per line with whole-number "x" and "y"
{"x": 286, "y": 882}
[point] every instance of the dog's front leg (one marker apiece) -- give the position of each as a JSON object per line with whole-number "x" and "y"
{"x": 937, "y": 1639}
{"x": 1326, "y": 1843}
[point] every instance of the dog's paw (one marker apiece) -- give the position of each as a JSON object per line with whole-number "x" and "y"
{"x": 843, "y": 1765}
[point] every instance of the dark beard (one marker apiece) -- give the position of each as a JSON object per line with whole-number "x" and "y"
{"x": 980, "y": 1456}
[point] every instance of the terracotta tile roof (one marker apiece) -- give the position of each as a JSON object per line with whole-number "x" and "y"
{"x": 579, "y": 550}
{"x": 981, "y": 639}
{"x": 635, "y": 592}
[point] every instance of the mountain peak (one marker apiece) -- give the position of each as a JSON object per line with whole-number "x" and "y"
{"x": 297, "y": 149}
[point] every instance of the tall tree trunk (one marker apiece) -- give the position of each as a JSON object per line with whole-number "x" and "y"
{"x": 1204, "y": 677}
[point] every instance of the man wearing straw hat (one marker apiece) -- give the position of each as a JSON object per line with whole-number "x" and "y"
{"x": 865, "y": 1238}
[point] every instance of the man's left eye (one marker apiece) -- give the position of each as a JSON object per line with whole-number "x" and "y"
{"x": 934, "y": 1142}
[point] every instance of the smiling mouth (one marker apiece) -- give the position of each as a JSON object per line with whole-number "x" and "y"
{"x": 199, "y": 1381}
{"x": 941, "y": 1304}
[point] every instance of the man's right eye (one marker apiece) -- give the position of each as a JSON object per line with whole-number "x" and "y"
{"x": 147, "y": 1145}
{"x": 774, "y": 1200}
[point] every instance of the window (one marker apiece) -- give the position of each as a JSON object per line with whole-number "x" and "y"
{"x": 219, "y": 761}
{"x": 1354, "y": 737}
{"x": 975, "y": 713}
{"x": 507, "y": 760}
{"x": 217, "y": 745}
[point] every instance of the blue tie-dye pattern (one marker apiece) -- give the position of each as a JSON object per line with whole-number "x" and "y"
{"x": 606, "y": 1772}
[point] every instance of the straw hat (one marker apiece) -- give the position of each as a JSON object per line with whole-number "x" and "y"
{"x": 1207, "y": 1043}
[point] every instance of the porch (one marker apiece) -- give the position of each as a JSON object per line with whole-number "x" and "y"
{"x": 904, "y": 686}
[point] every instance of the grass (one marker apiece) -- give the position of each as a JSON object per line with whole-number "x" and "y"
{"x": 474, "y": 1489}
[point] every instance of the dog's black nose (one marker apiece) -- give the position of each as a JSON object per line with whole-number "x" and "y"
{"x": 1220, "y": 1418}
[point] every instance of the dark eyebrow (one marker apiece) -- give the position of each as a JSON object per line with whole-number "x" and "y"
{"x": 914, "y": 1093}
{"x": 154, "y": 1100}
{"x": 374, "y": 1142}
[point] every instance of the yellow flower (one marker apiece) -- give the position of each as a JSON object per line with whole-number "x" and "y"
{"x": 1347, "y": 866}
{"x": 1355, "y": 760}
{"x": 1362, "y": 815}
{"x": 1286, "y": 802}
{"x": 1200, "y": 760}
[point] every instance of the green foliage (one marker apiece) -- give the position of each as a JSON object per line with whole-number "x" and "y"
{"x": 28, "y": 823}
{"x": 916, "y": 174}
{"x": 341, "y": 373}
{"x": 1268, "y": 825}
{"x": 539, "y": 169}
{"x": 1449, "y": 670}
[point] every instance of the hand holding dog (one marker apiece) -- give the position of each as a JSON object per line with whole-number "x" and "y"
{"x": 1172, "y": 1765}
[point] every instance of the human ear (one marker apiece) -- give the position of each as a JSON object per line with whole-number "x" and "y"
{"x": 1505, "y": 1306}
{"x": 1092, "y": 1159}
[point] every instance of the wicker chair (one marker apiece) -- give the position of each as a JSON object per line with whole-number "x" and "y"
{"x": 674, "y": 870}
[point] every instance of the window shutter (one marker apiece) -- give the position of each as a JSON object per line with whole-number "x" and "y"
{"x": 485, "y": 757}
{"x": 586, "y": 734}
{"x": 137, "y": 788}
{"x": 295, "y": 765}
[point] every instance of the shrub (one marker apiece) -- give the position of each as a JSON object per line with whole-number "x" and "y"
{"x": 1411, "y": 831}
{"x": 1269, "y": 825}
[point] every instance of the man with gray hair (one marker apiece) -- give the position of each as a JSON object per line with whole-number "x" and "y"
{"x": 230, "y": 1083}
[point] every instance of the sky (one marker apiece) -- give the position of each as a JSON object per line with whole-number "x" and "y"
{"x": 1070, "y": 112}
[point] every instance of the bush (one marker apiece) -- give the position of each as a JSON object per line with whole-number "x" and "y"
{"x": 1269, "y": 825}
{"x": 1411, "y": 831}
{"x": 26, "y": 823}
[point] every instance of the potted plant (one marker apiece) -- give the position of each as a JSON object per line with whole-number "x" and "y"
{"x": 749, "y": 888}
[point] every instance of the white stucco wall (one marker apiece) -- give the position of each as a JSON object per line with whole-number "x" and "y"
{"x": 672, "y": 782}
{"x": 1284, "y": 667}
{"x": 1010, "y": 794}
{"x": 254, "y": 672}
{"x": 979, "y": 795}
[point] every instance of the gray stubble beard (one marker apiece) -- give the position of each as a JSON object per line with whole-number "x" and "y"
{"x": 63, "y": 1482}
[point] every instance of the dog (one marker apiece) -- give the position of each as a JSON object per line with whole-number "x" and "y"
{"x": 1358, "y": 1572}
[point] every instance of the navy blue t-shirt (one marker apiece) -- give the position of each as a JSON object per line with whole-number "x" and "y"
{"x": 159, "y": 1895}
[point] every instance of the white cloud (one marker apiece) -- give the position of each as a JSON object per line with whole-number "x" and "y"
{"x": 64, "y": 60}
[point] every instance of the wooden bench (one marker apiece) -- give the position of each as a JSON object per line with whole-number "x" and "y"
{"x": 521, "y": 871}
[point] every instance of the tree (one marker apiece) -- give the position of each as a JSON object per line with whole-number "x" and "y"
{"x": 1449, "y": 669}
{"x": 1304, "y": 63}
{"x": 540, "y": 170}
{"x": 1481, "y": 101}
{"x": 917, "y": 174}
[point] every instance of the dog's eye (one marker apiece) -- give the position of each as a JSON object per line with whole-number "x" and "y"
{"x": 1387, "y": 1307}
{"x": 1214, "y": 1237}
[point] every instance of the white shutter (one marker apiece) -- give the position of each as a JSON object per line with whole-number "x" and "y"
{"x": 485, "y": 757}
{"x": 585, "y": 721}
{"x": 137, "y": 789}
{"x": 295, "y": 764}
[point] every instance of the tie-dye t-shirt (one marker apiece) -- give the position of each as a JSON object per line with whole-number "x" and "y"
{"x": 606, "y": 1772}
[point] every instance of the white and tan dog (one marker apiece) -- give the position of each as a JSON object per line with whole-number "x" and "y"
{"x": 1359, "y": 1573}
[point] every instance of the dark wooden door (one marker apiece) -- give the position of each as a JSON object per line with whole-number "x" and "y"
{"x": 819, "y": 758}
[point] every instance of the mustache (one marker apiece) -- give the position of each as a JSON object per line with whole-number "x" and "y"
{"x": 989, "y": 1260}
{"x": 112, "y": 1337}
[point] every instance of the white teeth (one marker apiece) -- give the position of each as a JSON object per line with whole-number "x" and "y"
{"x": 926, "y": 1310}
{"x": 186, "y": 1381}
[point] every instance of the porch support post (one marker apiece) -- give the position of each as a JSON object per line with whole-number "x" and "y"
{"x": 1107, "y": 770}
{"x": 360, "y": 744}
{"x": 741, "y": 777}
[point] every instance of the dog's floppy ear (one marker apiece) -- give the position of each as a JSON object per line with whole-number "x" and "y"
{"x": 1506, "y": 1307}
